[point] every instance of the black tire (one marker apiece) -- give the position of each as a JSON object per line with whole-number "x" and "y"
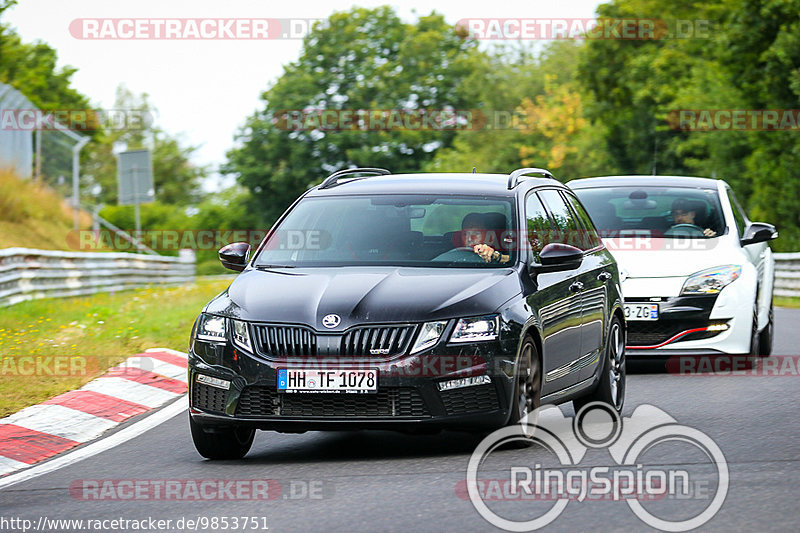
{"x": 527, "y": 394}
{"x": 755, "y": 348}
{"x": 611, "y": 385}
{"x": 767, "y": 335}
{"x": 222, "y": 443}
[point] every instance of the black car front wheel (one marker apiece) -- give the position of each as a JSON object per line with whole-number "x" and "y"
{"x": 611, "y": 385}
{"x": 221, "y": 443}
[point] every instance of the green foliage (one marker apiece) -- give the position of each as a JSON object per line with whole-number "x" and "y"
{"x": 176, "y": 179}
{"x": 31, "y": 69}
{"x": 364, "y": 59}
{"x": 749, "y": 59}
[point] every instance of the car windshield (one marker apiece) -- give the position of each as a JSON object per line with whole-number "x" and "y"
{"x": 393, "y": 230}
{"x": 667, "y": 212}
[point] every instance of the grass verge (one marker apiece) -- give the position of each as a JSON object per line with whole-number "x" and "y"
{"x": 51, "y": 346}
{"x": 786, "y": 301}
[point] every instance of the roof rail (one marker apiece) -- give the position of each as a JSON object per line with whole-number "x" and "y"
{"x": 514, "y": 177}
{"x": 333, "y": 179}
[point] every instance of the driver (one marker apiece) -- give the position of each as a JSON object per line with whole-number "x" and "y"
{"x": 685, "y": 212}
{"x": 474, "y": 229}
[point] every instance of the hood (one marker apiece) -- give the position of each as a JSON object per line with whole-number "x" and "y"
{"x": 661, "y": 258}
{"x": 362, "y": 295}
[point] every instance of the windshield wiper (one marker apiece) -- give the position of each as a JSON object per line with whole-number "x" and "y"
{"x": 270, "y": 267}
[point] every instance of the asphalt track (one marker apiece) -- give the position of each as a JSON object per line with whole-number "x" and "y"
{"x": 382, "y": 481}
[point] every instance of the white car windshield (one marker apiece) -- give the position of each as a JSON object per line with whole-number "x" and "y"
{"x": 667, "y": 212}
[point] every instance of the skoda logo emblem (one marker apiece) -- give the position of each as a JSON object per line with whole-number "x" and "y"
{"x": 331, "y": 321}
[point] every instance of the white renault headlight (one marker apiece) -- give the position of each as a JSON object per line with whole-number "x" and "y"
{"x": 211, "y": 328}
{"x": 241, "y": 335}
{"x": 482, "y": 328}
{"x": 428, "y": 335}
{"x": 712, "y": 280}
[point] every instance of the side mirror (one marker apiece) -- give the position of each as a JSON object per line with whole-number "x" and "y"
{"x": 758, "y": 232}
{"x": 235, "y": 256}
{"x": 556, "y": 257}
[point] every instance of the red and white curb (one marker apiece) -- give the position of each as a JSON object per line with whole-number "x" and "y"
{"x": 138, "y": 385}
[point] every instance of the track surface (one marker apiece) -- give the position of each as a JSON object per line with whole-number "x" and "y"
{"x": 382, "y": 481}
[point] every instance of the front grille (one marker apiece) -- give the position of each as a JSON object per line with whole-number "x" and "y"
{"x": 470, "y": 399}
{"x": 377, "y": 340}
{"x": 652, "y": 333}
{"x": 386, "y": 403}
{"x": 257, "y": 401}
{"x": 280, "y": 341}
{"x": 208, "y": 397}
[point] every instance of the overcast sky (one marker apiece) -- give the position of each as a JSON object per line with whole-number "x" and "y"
{"x": 204, "y": 89}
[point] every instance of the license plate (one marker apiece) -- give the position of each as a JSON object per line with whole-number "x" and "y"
{"x": 641, "y": 311}
{"x": 328, "y": 380}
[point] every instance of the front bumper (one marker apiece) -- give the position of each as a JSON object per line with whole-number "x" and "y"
{"x": 408, "y": 396}
{"x": 693, "y": 325}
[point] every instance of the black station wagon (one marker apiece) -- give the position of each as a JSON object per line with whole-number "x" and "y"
{"x": 413, "y": 302}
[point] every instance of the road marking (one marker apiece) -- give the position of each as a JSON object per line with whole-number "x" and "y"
{"x": 97, "y": 404}
{"x": 7, "y": 464}
{"x": 102, "y": 445}
{"x": 155, "y": 365}
{"x": 28, "y": 446}
{"x": 130, "y": 391}
{"x": 60, "y": 421}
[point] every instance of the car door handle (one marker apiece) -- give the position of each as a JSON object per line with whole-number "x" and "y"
{"x": 604, "y": 276}
{"x": 576, "y": 287}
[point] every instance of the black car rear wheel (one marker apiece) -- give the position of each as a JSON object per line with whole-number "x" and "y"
{"x": 611, "y": 385}
{"x": 221, "y": 443}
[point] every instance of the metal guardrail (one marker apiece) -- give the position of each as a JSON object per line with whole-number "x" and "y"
{"x": 27, "y": 274}
{"x": 787, "y": 274}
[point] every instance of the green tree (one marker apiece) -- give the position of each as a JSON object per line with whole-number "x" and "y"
{"x": 176, "y": 179}
{"x": 363, "y": 59}
{"x": 535, "y": 109}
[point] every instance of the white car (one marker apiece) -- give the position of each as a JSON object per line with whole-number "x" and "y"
{"x": 697, "y": 275}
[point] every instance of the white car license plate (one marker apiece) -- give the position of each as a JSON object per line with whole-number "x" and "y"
{"x": 327, "y": 380}
{"x": 641, "y": 311}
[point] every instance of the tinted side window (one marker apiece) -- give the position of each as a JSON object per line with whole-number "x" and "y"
{"x": 538, "y": 227}
{"x": 589, "y": 238}
{"x": 738, "y": 213}
{"x": 566, "y": 227}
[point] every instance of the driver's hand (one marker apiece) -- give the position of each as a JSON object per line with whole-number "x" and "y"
{"x": 708, "y": 232}
{"x": 484, "y": 250}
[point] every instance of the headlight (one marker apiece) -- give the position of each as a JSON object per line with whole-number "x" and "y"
{"x": 241, "y": 335}
{"x": 712, "y": 280}
{"x": 428, "y": 335}
{"x": 481, "y": 328}
{"x": 211, "y": 328}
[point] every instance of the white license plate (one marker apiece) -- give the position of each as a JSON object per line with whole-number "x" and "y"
{"x": 641, "y": 311}
{"x": 327, "y": 380}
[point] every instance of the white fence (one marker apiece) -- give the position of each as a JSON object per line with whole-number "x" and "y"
{"x": 787, "y": 274}
{"x": 27, "y": 274}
